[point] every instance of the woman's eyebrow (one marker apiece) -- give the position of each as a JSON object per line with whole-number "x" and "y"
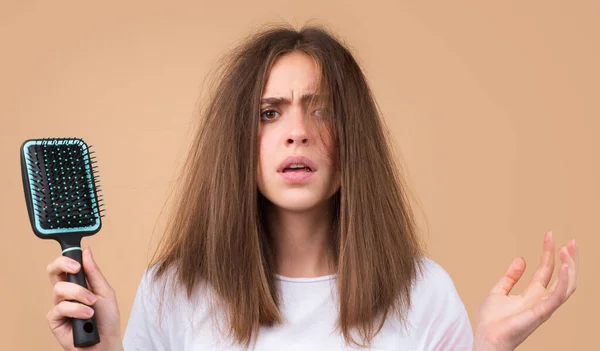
{"x": 276, "y": 101}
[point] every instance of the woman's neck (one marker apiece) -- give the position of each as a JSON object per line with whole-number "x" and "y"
{"x": 302, "y": 242}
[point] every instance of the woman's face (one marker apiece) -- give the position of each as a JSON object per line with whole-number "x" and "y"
{"x": 285, "y": 130}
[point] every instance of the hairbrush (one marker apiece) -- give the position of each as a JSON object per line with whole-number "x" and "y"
{"x": 62, "y": 192}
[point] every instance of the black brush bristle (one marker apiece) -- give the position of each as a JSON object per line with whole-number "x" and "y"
{"x": 61, "y": 177}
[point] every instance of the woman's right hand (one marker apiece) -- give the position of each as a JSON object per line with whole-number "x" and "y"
{"x": 101, "y": 296}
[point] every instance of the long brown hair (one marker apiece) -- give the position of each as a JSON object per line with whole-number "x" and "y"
{"x": 218, "y": 233}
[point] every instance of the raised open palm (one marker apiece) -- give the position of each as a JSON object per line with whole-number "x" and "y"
{"x": 504, "y": 321}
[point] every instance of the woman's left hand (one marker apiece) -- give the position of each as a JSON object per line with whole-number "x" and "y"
{"x": 504, "y": 321}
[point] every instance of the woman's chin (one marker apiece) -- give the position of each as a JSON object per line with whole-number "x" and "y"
{"x": 298, "y": 202}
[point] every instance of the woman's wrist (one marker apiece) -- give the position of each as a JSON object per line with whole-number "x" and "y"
{"x": 483, "y": 345}
{"x": 114, "y": 344}
{"x": 482, "y": 342}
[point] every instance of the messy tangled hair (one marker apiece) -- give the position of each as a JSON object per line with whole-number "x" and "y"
{"x": 218, "y": 235}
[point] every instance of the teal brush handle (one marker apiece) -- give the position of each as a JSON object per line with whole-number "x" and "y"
{"x": 85, "y": 332}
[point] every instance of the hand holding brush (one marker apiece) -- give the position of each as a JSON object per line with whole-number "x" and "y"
{"x": 62, "y": 193}
{"x": 100, "y": 296}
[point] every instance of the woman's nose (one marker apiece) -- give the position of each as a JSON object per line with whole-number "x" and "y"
{"x": 298, "y": 129}
{"x": 292, "y": 140}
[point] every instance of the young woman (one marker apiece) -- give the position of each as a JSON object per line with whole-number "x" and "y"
{"x": 293, "y": 229}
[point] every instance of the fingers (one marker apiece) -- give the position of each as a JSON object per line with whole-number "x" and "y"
{"x": 570, "y": 257}
{"x": 62, "y": 265}
{"x": 66, "y": 309}
{"x": 566, "y": 258}
{"x": 58, "y": 268}
{"x": 543, "y": 274}
{"x": 70, "y": 291}
{"x": 572, "y": 247}
{"x": 98, "y": 284}
{"x": 510, "y": 278}
{"x": 545, "y": 308}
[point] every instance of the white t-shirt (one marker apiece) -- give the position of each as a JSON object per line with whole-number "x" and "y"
{"x": 437, "y": 319}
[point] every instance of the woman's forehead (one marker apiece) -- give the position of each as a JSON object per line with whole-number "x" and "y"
{"x": 292, "y": 76}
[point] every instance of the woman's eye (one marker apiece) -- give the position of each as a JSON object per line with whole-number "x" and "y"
{"x": 320, "y": 112}
{"x": 268, "y": 115}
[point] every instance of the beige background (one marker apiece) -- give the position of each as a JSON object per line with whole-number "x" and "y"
{"x": 493, "y": 107}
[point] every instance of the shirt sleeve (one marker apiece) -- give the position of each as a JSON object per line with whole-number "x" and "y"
{"x": 143, "y": 330}
{"x": 442, "y": 321}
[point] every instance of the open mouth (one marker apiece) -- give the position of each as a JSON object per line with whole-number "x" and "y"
{"x": 297, "y": 169}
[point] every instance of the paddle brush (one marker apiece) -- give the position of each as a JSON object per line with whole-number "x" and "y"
{"x": 61, "y": 185}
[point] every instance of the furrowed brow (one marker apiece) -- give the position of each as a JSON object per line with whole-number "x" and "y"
{"x": 276, "y": 101}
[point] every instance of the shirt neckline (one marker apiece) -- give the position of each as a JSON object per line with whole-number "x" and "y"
{"x": 305, "y": 279}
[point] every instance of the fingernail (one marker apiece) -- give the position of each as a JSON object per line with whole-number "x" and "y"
{"x": 73, "y": 265}
{"x": 91, "y": 298}
{"x": 89, "y": 311}
{"x": 91, "y": 255}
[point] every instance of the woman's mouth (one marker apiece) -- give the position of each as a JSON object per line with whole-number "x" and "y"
{"x": 297, "y": 169}
{"x": 296, "y": 174}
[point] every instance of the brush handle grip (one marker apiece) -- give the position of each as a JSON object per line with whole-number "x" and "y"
{"x": 85, "y": 332}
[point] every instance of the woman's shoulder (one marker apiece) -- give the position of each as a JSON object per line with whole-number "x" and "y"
{"x": 438, "y": 318}
{"x": 163, "y": 288}
{"x": 432, "y": 275}
{"x": 153, "y": 285}
{"x": 434, "y": 288}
